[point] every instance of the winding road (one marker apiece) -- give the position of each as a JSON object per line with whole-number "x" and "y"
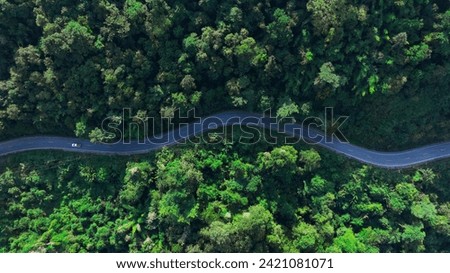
{"x": 392, "y": 160}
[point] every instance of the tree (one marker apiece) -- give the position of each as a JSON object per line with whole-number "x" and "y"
{"x": 279, "y": 30}
{"x": 80, "y": 128}
{"x": 418, "y": 53}
{"x": 327, "y": 76}
{"x": 413, "y": 237}
{"x": 306, "y": 238}
{"x": 287, "y": 109}
{"x": 281, "y": 162}
{"x": 311, "y": 160}
{"x": 328, "y": 17}
{"x": 98, "y": 135}
{"x": 247, "y": 232}
{"x": 347, "y": 242}
{"x": 136, "y": 181}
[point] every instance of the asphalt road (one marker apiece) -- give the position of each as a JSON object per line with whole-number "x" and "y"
{"x": 393, "y": 160}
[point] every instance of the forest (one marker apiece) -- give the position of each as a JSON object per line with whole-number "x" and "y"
{"x": 67, "y": 65}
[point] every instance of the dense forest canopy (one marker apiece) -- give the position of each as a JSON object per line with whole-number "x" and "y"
{"x": 383, "y": 63}
{"x": 220, "y": 198}
{"x": 67, "y": 65}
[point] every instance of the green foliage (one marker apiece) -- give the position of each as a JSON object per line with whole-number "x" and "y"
{"x": 318, "y": 186}
{"x": 373, "y": 80}
{"x": 63, "y": 61}
{"x": 327, "y": 75}
{"x": 133, "y": 8}
{"x": 413, "y": 238}
{"x": 311, "y": 159}
{"x": 306, "y": 238}
{"x": 80, "y": 128}
{"x": 418, "y": 53}
{"x": 280, "y": 29}
{"x": 287, "y": 109}
{"x": 424, "y": 210}
{"x": 329, "y": 16}
{"x": 98, "y": 135}
{"x": 347, "y": 242}
{"x": 213, "y": 199}
{"x": 67, "y": 65}
{"x": 248, "y": 232}
{"x": 281, "y": 162}
{"x": 136, "y": 181}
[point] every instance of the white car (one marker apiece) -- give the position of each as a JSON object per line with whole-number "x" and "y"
{"x": 76, "y": 145}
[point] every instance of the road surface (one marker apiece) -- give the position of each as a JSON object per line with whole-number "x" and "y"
{"x": 393, "y": 160}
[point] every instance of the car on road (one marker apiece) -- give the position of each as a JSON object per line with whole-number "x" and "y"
{"x": 76, "y": 145}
